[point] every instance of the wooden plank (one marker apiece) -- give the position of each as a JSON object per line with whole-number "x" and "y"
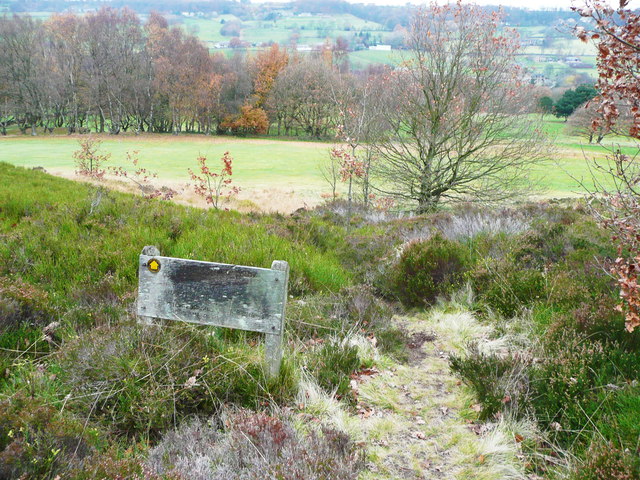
{"x": 217, "y": 294}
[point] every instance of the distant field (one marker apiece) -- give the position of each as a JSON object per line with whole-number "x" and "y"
{"x": 363, "y": 58}
{"x": 311, "y": 29}
{"x": 274, "y": 174}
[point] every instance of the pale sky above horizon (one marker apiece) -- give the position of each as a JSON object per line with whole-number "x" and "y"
{"x": 531, "y": 4}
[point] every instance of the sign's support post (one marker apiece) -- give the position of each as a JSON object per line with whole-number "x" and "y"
{"x": 273, "y": 342}
{"x": 152, "y": 251}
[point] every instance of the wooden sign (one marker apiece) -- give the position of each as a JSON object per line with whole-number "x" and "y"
{"x": 216, "y": 294}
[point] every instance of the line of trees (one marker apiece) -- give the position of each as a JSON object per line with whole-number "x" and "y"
{"x": 452, "y": 121}
{"x": 108, "y": 72}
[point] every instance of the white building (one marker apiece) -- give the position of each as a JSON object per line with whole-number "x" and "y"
{"x": 380, "y": 48}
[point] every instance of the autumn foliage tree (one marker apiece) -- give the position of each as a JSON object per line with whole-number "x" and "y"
{"x": 106, "y": 71}
{"x": 250, "y": 120}
{"x": 267, "y": 65}
{"x": 616, "y": 34}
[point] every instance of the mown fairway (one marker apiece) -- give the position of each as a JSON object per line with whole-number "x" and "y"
{"x": 274, "y": 174}
{"x": 273, "y": 171}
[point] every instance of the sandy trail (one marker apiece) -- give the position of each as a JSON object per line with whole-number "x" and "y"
{"x": 417, "y": 419}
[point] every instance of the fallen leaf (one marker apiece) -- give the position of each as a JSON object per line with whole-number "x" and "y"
{"x": 519, "y": 438}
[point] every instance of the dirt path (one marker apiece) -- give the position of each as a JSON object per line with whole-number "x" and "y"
{"x": 416, "y": 420}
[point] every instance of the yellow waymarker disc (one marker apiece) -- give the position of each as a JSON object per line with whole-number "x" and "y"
{"x": 154, "y": 265}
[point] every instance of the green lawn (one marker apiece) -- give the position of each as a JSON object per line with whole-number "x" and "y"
{"x": 288, "y": 167}
{"x": 362, "y": 58}
{"x": 311, "y": 30}
{"x": 284, "y": 168}
{"x": 261, "y": 161}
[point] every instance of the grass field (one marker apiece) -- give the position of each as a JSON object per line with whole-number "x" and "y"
{"x": 311, "y": 30}
{"x": 285, "y": 174}
{"x": 274, "y": 174}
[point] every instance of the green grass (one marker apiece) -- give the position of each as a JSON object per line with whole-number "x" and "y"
{"x": 72, "y": 248}
{"x": 311, "y": 30}
{"x": 206, "y": 29}
{"x": 267, "y": 164}
{"x": 363, "y": 58}
{"x": 258, "y": 164}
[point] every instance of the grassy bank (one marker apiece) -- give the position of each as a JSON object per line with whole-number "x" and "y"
{"x": 84, "y": 390}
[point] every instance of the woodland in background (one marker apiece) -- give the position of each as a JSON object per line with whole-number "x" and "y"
{"x": 108, "y": 72}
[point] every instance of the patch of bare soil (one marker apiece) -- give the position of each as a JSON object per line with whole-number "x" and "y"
{"x": 258, "y": 200}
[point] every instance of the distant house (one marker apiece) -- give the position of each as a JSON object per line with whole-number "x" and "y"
{"x": 532, "y": 42}
{"x": 380, "y": 48}
{"x": 541, "y": 80}
{"x": 304, "y": 48}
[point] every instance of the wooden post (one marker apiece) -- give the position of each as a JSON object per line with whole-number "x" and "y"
{"x": 273, "y": 342}
{"x": 152, "y": 251}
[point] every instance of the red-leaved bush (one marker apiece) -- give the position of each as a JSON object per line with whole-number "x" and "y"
{"x": 213, "y": 186}
{"x": 616, "y": 33}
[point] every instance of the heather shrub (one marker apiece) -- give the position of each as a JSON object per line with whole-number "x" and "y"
{"x": 504, "y": 287}
{"x": 22, "y": 303}
{"x": 427, "y": 269}
{"x": 39, "y": 441}
{"x": 252, "y": 445}
{"x": 600, "y": 321}
{"x": 141, "y": 380}
{"x": 604, "y": 461}
{"x": 112, "y": 465}
{"x": 575, "y": 382}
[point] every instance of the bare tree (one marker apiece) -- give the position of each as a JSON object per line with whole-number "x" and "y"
{"x": 360, "y": 123}
{"x": 457, "y": 115}
{"x": 579, "y": 123}
{"x": 21, "y": 75}
{"x": 301, "y": 96}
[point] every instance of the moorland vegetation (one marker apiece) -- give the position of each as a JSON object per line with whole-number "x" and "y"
{"x": 87, "y": 392}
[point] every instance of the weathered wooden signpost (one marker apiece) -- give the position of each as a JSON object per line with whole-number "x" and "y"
{"x": 216, "y": 294}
